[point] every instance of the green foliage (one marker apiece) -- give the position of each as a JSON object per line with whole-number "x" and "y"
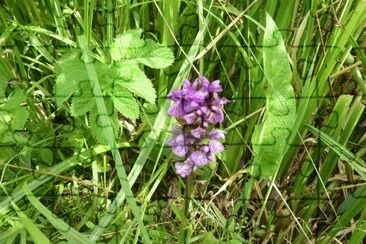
{"x": 37, "y": 235}
{"x": 124, "y": 102}
{"x": 13, "y": 116}
{"x": 130, "y": 47}
{"x": 58, "y": 95}
{"x": 118, "y": 80}
{"x": 356, "y": 163}
{"x": 270, "y": 137}
{"x": 128, "y": 75}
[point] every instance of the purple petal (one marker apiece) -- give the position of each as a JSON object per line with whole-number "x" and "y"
{"x": 215, "y": 86}
{"x": 175, "y": 95}
{"x": 171, "y": 141}
{"x": 180, "y": 150}
{"x": 180, "y": 139}
{"x": 215, "y": 146}
{"x": 198, "y": 132}
{"x": 216, "y": 134}
{"x": 190, "y": 106}
{"x": 183, "y": 169}
{"x": 216, "y": 117}
{"x": 190, "y": 118}
{"x": 187, "y": 84}
{"x": 195, "y": 84}
{"x": 179, "y": 147}
{"x": 224, "y": 101}
{"x": 197, "y": 96}
{"x": 176, "y": 110}
{"x": 199, "y": 158}
{"x": 219, "y": 102}
{"x": 204, "y": 110}
{"x": 205, "y": 148}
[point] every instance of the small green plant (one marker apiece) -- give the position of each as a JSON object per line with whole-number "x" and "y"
{"x": 121, "y": 80}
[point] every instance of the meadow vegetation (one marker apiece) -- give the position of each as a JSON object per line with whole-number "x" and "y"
{"x": 84, "y": 121}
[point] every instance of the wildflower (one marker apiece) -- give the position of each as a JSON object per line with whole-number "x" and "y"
{"x": 197, "y": 108}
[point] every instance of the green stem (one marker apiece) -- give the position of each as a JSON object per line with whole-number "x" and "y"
{"x": 183, "y": 238}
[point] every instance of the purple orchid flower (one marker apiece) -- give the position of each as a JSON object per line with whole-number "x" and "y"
{"x": 197, "y": 107}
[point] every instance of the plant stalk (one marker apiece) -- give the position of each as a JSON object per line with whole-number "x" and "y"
{"x": 183, "y": 238}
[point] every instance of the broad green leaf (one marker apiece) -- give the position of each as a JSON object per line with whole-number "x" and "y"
{"x": 153, "y": 54}
{"x": 125, "y": 42}
{"x": 73, "y": 73}
{"x": 99, "y": 121}
{"x": 64, "y": 89}
{"x": 130, "y": 76}
{"x": 83, "y": 100}
{"x": 12, "y": 112}
{"x": 19, "y": 118}
{"x": 65, "y": 229}
{"x": 131, "y": 47}
{"x": 270, "y": 137}
{"x": 37, "y": 235}
{"x": 81, "y": 105}
{"x": 17, "y": 97}
{"x": 46, "y": 155}
{"x": 124, "y": 102}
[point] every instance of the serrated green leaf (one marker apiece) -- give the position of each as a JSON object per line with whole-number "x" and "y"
{"x": 20, "y": 116}
{"x": 63, "y": 89}
{"x": 126, "y": 41}
{"x": 81, "y": 105}
{"x": 130, "y": 76}
{"x": 12, "y": 113}
{"x": 152, "y": 54}
{"x": 97, "y": 125}
{"x": 125, "y": 103}
{"x": 131, "y": 47}
{"x": 17, "y": 97}
{"x": 73, "y": 72}
{"x": 83, "y": 101}
{"x": 269, "y": 139}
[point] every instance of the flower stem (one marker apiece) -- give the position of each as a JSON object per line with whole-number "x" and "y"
{"x": 183, "y": 238}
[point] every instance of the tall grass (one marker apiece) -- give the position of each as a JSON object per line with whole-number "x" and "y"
{"x": 59, "y": 183}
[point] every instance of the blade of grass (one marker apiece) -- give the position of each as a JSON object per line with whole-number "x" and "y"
{"x": 356, "y": 163}
{"x": 37, "y": 235}
{"x": 349, "y": 208}
{"x": 65, "y": 229}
